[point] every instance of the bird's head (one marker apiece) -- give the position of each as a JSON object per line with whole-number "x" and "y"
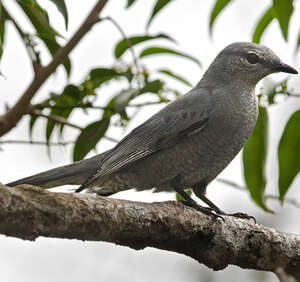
{"x": 247, "y": 62}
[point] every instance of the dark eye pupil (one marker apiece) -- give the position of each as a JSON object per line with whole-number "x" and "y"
{"x": 252, "y": 58}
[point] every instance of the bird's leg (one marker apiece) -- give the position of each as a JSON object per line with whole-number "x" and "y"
{"x": 191, "y": 203}
{"x": 200, "y": 189}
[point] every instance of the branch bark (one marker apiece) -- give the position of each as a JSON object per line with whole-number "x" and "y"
{"x": 13, "y": 115}
{"x": 28, "y": 212}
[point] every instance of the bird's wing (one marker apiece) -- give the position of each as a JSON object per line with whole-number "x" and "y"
{"x": 180, "y": 119}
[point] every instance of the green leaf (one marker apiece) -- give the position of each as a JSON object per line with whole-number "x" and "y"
{"x": 180, "y": 198}
{"x": 289, "y": 154}
{"x": 129, "y": 3}
{"x": 63, "y": 107}
{"x": 123, "y": 45}
{"x": 298, "y": 43}
{"x": 161, "y": 50}
{"x": 254, "y": 158}
{"x": 2, "y": 28}
{"x": 160, "y": 4}
{"x": 119, "y": 103}
{"x": 262, "y": 24}
{"x": 218, "y": 7}
{"x": 283, "y": 10}
{"x": 175, "y": 76}
{"x": 88, "y": 138}
{"x": 32, "y": 121}
{"x": 101, "y": 75}
{"x": 39, "y": 19}
{"x": 61, "y": 6}
{"x": 154, "y": 86}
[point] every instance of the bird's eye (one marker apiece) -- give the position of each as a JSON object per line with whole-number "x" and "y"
{"x": 252, "y": 58}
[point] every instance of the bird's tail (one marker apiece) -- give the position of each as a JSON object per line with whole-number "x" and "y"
{"x": 75, "y": 173}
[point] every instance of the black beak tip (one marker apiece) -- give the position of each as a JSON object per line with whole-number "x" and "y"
{"x": 286, "y": 68}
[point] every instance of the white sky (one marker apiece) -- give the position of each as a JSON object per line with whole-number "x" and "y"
{"x": 187, "y": 21}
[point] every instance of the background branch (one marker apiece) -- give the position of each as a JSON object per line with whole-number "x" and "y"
{"x": 61, "y": 120}
{"x": 55, "y": 118}
{"x": 13, "y": 115}
{"x": 93, "y": 107}
{"x": 128, "y": 42}
{"x": 32, "y": 142}
{"x": 28, "y": 212}
{"x": 290, "y": 201}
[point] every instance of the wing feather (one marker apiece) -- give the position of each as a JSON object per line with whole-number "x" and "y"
{"x": 184, "y": 117}
{"x": 171, "y": 125}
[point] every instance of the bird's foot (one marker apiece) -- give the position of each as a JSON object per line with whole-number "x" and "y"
{"x": 239, "y": 215}
{"x": 205, "y": 210}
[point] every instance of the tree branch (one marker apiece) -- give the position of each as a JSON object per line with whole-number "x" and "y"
{"x": 32, "y": 142}
{"x": 13, "y": 115}
{"x": 28, "y": 212}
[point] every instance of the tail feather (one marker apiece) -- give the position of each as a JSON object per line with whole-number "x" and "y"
{"x": 75, "y": 173}
{"x": 90, "y": 179}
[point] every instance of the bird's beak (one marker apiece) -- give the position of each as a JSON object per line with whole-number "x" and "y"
{"x": 286, "y": 68}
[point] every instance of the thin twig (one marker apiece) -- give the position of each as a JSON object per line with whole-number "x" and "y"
{"x": 292, "y": 202}
{"x": 55, "y": 118}
{"x": 232, "y": 184}
{"x": 83, "y": 106}
{"x": 128, "y": 42}
{"x": 13, "y": 115}
{"x": 292, "y": 95}
{"x": 114, "y": 140}
{"x": 63, "y": 121}
{"x": 92, "y": 107}
{"x": 31, "y": 142}
{"x": 145, "y": 104}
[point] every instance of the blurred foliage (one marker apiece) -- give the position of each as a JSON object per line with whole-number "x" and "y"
{"x": 127, "y": 43}
{"x": 40, "y": 21}
{"x": 140, "y": 80}
{"x": 288, "y": 154}
{"x": 180, "y": 198}
{"x": 254, "y": 163}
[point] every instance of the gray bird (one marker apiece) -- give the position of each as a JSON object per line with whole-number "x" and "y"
{"x": 186, "y": 144}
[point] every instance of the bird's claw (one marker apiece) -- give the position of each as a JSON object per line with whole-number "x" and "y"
{"x": 242, "y": 215}
{"x": 206, "y": 210}
{"x": 216, "y": 213}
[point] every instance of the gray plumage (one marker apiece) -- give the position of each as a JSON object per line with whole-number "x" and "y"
{"x": 190, "y": 141}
